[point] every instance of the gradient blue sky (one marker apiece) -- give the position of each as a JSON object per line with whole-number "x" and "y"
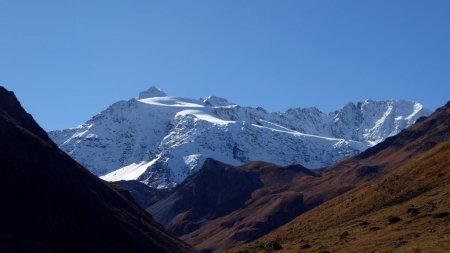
{"x": 68, "y": 60}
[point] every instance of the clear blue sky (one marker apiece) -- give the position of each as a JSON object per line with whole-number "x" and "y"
{"x": 68, "y": 60}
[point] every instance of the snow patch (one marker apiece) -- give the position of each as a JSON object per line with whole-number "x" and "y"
{"x": 204, "y": 116}
{"x": 172, "y": 102}
{"x": 129, "y": 172}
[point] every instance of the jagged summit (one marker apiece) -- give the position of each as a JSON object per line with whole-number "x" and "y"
{"x": 152, "y": 92}
{"x": 162, "y": 140}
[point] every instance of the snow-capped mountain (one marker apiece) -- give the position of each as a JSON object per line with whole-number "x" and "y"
{"x": 161, "y": 140}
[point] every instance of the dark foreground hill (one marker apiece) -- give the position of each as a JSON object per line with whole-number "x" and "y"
{"x": 251, "y": 199}
{"x": 406, "y": 210}
{"x": 49, "y": 203}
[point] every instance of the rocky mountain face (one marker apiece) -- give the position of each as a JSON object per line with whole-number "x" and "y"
{"x": 161, "y": 140}
{"x": 405, "y": 210}
{"x": 273, "y": 205}
{"x": 50, "y": 203}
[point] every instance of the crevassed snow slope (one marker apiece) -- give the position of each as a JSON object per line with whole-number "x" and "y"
{"x": 160, "y": 140}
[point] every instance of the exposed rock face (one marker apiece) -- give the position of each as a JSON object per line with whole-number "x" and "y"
{"x": 151, "y": 92}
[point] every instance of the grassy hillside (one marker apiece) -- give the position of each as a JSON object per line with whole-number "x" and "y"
{"x": 406, "y": 210}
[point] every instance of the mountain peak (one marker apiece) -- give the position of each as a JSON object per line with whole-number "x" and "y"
{"x": 216, "y": 101}
{"x": 9, "y": 105}
{"x": 152, "y": 92}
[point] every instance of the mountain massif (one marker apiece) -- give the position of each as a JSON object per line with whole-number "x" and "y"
{"x": 161, "y": 140}
{"x": 266, "y": 196}
{"x": 50, "y": 203}
{"x": 391, "y": 195}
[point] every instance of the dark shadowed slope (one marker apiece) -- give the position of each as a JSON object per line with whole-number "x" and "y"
{"x": 406, "y": 210}
{"x": 219, "y": 197}
{"x": 143, "y": 195}
{"x": 49, "y": 203}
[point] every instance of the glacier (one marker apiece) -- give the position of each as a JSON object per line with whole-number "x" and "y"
{"x": 160, "y": 140}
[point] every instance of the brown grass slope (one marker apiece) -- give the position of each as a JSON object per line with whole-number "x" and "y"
{"x": 49, "y": 203}
{"x": 406, "y": 210}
